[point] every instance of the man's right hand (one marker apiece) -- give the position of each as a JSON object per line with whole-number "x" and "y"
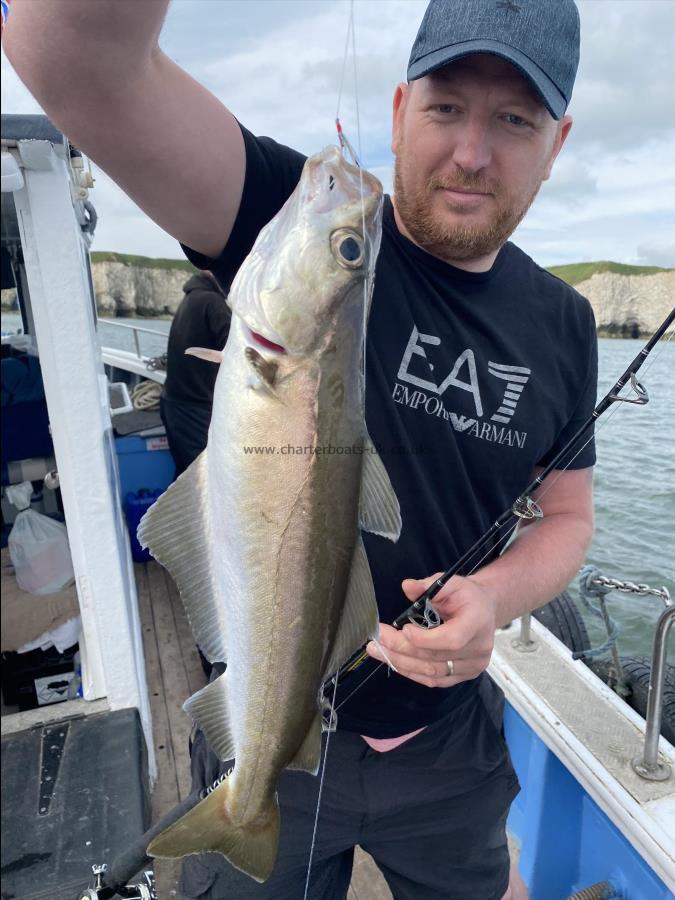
{"x": 99, "y": 74}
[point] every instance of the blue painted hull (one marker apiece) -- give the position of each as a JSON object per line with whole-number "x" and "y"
{"x": 567, "y": 841}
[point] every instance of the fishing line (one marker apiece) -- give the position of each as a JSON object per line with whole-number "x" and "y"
{"x": 380, "y": 664}
{"x": 603, "y": 424}
{"x": 367, "y": 286}
{"x": 356, "y": 85}
{"x": 367, "y": 282}
{"x": 345, "y": 144}
{"x": 547, "y": 485}
{"x": 356, "y": 155}
{"x": 350, "y": 26}
{"x": 318, "y": 799}
{"x": 552, "y": 479}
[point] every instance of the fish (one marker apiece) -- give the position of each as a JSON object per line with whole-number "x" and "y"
{"x": 262, "y": 533}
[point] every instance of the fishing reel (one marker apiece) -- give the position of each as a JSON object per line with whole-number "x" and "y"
{"x": 144, "y": 890}
{"x": 426, "y": 616}
{"x": 422, "y": 612}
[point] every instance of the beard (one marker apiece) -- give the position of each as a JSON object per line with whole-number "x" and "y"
{"x": 456, "y": 242}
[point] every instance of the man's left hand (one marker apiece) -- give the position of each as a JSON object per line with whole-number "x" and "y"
{"x": 465, "y": 638}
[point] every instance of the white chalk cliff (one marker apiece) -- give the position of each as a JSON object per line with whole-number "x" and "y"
{"x": 624, "y": 305}
{"x": 629, "y": 305}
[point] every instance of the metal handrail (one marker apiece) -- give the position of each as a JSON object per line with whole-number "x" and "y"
{"x": 525, "y": 643}
{"x": 648, "y": 766}
{"x": 135, "y": 329}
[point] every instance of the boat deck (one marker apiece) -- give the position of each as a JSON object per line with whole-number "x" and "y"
{"x": 174, "y": 672}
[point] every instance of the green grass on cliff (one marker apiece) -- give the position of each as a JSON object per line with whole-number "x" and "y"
{"x": 142, "y": 262}
{"x": 575, "y": 273}
{"x": 572, "y": 274}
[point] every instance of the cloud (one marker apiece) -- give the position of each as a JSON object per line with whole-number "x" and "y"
{"x": 286, "y": 82}
{"x": 624, "y": 89}
{"x": 573, "y": 183}
{"x": 123, "y": 227}
{"x": 278, "y": 65}
{"x": 661, "y": 253}
{"x": 628, "y": 202}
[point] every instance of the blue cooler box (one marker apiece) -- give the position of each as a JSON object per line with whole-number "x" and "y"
{"x": 136, "y": 504}
{"x": 146, "y": 470}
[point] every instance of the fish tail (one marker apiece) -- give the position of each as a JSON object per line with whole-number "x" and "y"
{"x": 251, "y": 846}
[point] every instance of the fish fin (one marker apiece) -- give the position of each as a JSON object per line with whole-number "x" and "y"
{"x": 265, "y": 369}
{"x": 379, "y": 512}
{"x": 214, "y": 356}
{"x": 209, "y": 708}
{"x": 360, "y": 620}
{"x": 251, "y": 847}
{"x": 308, "y": 756}
{"x": 176, "y": 530}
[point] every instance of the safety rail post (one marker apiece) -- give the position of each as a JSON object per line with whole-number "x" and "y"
{"x": 525, "y": 642}
{"x": 137, "y": 343}
{"x": 648, "y": 765}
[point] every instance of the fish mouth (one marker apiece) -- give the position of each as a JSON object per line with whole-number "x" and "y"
{"x": 262, "y": 341}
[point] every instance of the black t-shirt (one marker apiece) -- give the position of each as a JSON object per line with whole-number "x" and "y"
{"x": 201, "y": 320}
{"x": 472, "y": 380}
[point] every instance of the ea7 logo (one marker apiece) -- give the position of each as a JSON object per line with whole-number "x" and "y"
{"x": 516, "y": 378}
{"x": 463, "y": 375}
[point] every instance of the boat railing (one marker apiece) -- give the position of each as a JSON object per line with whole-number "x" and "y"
{"x": 525, "y": 642}
{"x": 648, "y": 765}
{"x": 136, "y": 330}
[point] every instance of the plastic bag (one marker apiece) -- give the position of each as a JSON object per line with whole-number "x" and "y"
{"x": 38, "y": 546}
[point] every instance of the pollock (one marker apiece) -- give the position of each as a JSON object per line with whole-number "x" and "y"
{"x": 262, "y": 533}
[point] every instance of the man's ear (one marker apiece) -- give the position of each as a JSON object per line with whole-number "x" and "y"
{"x": 564, "y": 128}
{"x": 398, "y": 110}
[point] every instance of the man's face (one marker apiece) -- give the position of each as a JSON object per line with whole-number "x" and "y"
{"x": 473, "y": 144}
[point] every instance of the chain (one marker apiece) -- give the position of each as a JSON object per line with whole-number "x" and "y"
{"x": 157, "y": 363}
{"x": 628, "y": 587}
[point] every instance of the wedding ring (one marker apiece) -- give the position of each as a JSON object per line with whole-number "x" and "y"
{"x": 451, "y": 667}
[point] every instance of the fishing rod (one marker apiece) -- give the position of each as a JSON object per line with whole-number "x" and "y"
{"x": 421, "y": 612}
{"x": 113, "y": 881}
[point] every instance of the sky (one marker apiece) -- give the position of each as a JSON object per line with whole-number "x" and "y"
{"x": 277, "y": 64}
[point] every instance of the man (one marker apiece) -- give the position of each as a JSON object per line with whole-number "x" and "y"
{"x": 201, "y": 320}
{"x": 480, "y": 367}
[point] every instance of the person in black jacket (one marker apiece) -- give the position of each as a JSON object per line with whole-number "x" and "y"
{"x": 201, "y": 320}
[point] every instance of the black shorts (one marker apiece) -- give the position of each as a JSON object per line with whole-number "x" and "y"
{"x": 432, "y": 813}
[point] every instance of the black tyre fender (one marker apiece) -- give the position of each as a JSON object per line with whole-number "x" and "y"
{"x": 636, "y": 670}
{"x": 563, "y": 619}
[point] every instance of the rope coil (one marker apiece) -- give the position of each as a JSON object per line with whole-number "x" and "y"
{"x": 590, "y": 588}
{"x": 146, "y": 395}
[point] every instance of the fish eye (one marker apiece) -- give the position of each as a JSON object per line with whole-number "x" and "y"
{"x": 347, "y": 247}
{"x": 349, "y": 250}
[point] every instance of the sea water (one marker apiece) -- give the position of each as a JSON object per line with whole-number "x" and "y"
{"x": 634, "y": 480}
{"x": 634, "y": 488}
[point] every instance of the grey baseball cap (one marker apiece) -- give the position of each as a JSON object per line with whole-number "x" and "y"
{"x": 539, "y": 37}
